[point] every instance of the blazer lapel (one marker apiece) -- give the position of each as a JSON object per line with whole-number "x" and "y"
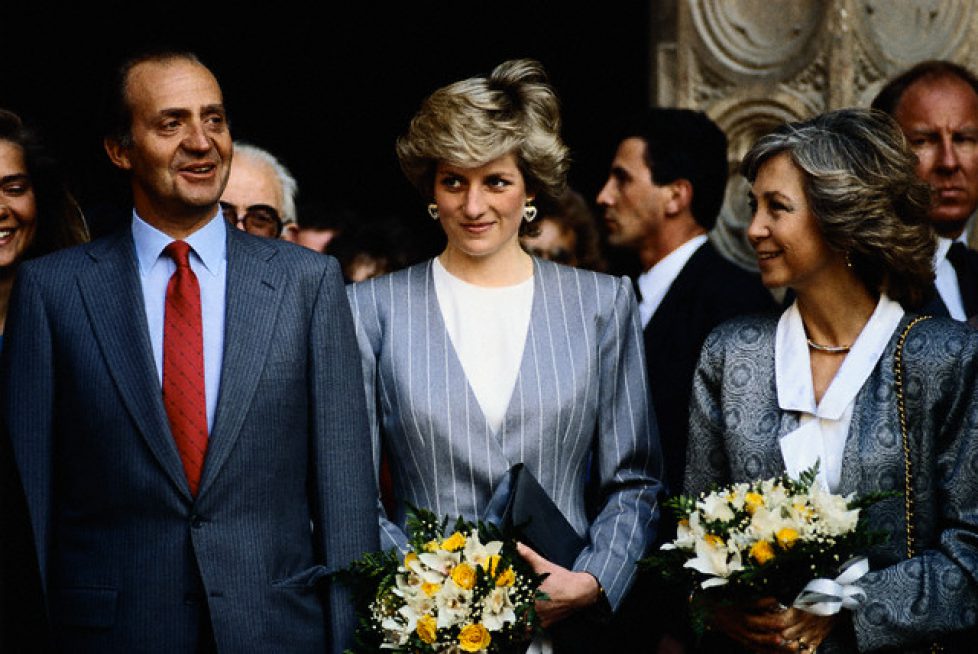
{"x": 254, "y": 291}
{"x": 113, "y": 298}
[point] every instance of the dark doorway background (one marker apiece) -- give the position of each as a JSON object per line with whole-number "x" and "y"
{"x": 327, "y": 89}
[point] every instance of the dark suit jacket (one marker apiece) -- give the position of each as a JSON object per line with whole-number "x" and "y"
{"x": 126, "y": 553}
{"x": 708, "y": 290}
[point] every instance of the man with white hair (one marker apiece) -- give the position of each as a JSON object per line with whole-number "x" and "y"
{"x": 260, "y": 194}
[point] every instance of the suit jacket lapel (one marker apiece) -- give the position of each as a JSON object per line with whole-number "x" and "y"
{"x": 113, "y": 299}
{"x": 679, "y": 292}
{"x": 254, "y": 291}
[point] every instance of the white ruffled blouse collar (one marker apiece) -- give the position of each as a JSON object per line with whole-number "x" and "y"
{"x": 792, "y": 363}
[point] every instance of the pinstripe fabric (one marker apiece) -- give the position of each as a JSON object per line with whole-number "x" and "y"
{"x": 127, "y": 554}
{"x": 581, "y": 385}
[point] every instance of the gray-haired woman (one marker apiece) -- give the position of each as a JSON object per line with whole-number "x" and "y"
{"x": 841, "y": 219}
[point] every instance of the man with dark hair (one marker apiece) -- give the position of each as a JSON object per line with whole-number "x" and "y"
{"x": 936, "y": 105}
{"x": 184, "y": 407}
{"x": 662, "y": 196}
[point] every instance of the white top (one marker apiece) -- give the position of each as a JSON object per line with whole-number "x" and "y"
{"x": 823, "y": 429}
{"x": 654, "y": 283}
{"x": 487, "y": 326}
{"x": 946, "y": 280}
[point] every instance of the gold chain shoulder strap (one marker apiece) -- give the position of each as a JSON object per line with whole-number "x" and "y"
{"x": 908, "y": 496}
{"x": 904, "y": 431}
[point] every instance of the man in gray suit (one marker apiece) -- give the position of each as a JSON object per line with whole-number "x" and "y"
{"x": 185, "y": 492}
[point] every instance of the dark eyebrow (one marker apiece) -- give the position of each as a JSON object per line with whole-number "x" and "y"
{"x": 180, "y": 112}
{"x": 16, "y": 177}
{"x": 781, "y": 197}
{"x": 620, "y": 173}
{"x": 174, "y": 113}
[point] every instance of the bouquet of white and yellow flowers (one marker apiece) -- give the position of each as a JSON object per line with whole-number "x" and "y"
{"x": 783, "y": 538}
{"x": 463, "y": 589}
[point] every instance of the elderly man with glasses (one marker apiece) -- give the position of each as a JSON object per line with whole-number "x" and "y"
{"x": 260, "y": 194}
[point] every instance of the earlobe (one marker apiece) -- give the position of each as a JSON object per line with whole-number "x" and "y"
{"x": 680, "y": 196}
{"x": 118, "y": 153}
{"x": 291, "y": 233}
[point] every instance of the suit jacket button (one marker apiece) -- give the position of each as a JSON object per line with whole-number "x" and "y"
{"x": 196, "y": 521}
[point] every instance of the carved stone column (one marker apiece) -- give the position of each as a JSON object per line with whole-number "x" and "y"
{"x": 754, "y": 64}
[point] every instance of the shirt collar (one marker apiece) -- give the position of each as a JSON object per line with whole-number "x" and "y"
{"x": 654, "y": 283}
{"x": 792, "y": 361}
{"x": 209, "y": 243}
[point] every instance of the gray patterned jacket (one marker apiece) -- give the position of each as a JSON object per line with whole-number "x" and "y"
{"x": 735, "y": 424}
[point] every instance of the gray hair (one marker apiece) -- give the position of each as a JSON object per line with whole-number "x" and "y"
{"x": 861, "y": 184}
{"x": 477, "y": 120}
{"x": 290, "y": 189}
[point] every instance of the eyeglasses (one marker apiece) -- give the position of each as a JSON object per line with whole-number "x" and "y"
{"x": 258, "y": 219}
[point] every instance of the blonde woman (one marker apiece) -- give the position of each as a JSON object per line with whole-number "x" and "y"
{"x": 485, "y": 357}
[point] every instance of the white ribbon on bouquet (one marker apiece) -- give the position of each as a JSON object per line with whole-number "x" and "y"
{"x": 829, "y": 596}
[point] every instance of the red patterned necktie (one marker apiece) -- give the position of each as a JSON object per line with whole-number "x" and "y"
{"x": 183, "y": 365}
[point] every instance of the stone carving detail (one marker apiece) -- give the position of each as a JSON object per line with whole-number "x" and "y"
{"x": 708, "y": 87}
{"x": 812, "y": 84}
{"x": 743, "y": 36}
{"x": 904, "y": 33}
{"x": 868, "y": 78}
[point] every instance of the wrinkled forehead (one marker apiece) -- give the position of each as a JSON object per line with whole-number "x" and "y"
{"x": 171, "y": 85}
{"x": 940, "y": 94}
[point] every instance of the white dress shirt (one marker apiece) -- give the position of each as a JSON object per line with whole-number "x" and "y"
{"x": 824, "y": 428}
{"x": 654, "y": 283}
{"x": 946, "y": 280}
{"x": 208, "y": 260}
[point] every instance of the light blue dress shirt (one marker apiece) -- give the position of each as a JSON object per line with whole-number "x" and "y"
{"x": 208, "y": 260}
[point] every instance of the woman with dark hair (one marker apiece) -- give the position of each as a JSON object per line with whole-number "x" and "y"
{"x": 485, "y": 357}
{"x": 37, "y": 215}
{"x": 848, "y": 378}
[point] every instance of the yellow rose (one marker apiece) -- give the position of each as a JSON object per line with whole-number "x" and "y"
{"x": 489, "y": 565}
{"x": 786, "y": 537}
{"x": 464, "y": 576}
{"x": 762, "y": 552}
{"x": 753, "y": 501}
{"x": 473, "y": 638}
{"x": 430, "y": 589}
{"x": 506, "y": 578}
{"x": 431, "y": 546}
{"x": 427, "y": 629}
{"x": 454, "y": 542}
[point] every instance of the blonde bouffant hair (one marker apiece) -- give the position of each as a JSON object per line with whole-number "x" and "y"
{"x": 861, "y": 184}
{"x": 474, "y": 121}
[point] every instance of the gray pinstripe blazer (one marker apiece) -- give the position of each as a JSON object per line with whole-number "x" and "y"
{"x": 581, "y": 388}
{"x": 735, "y": 424}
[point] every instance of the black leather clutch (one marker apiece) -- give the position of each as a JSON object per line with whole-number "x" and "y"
{"x": 540, "y": 523}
